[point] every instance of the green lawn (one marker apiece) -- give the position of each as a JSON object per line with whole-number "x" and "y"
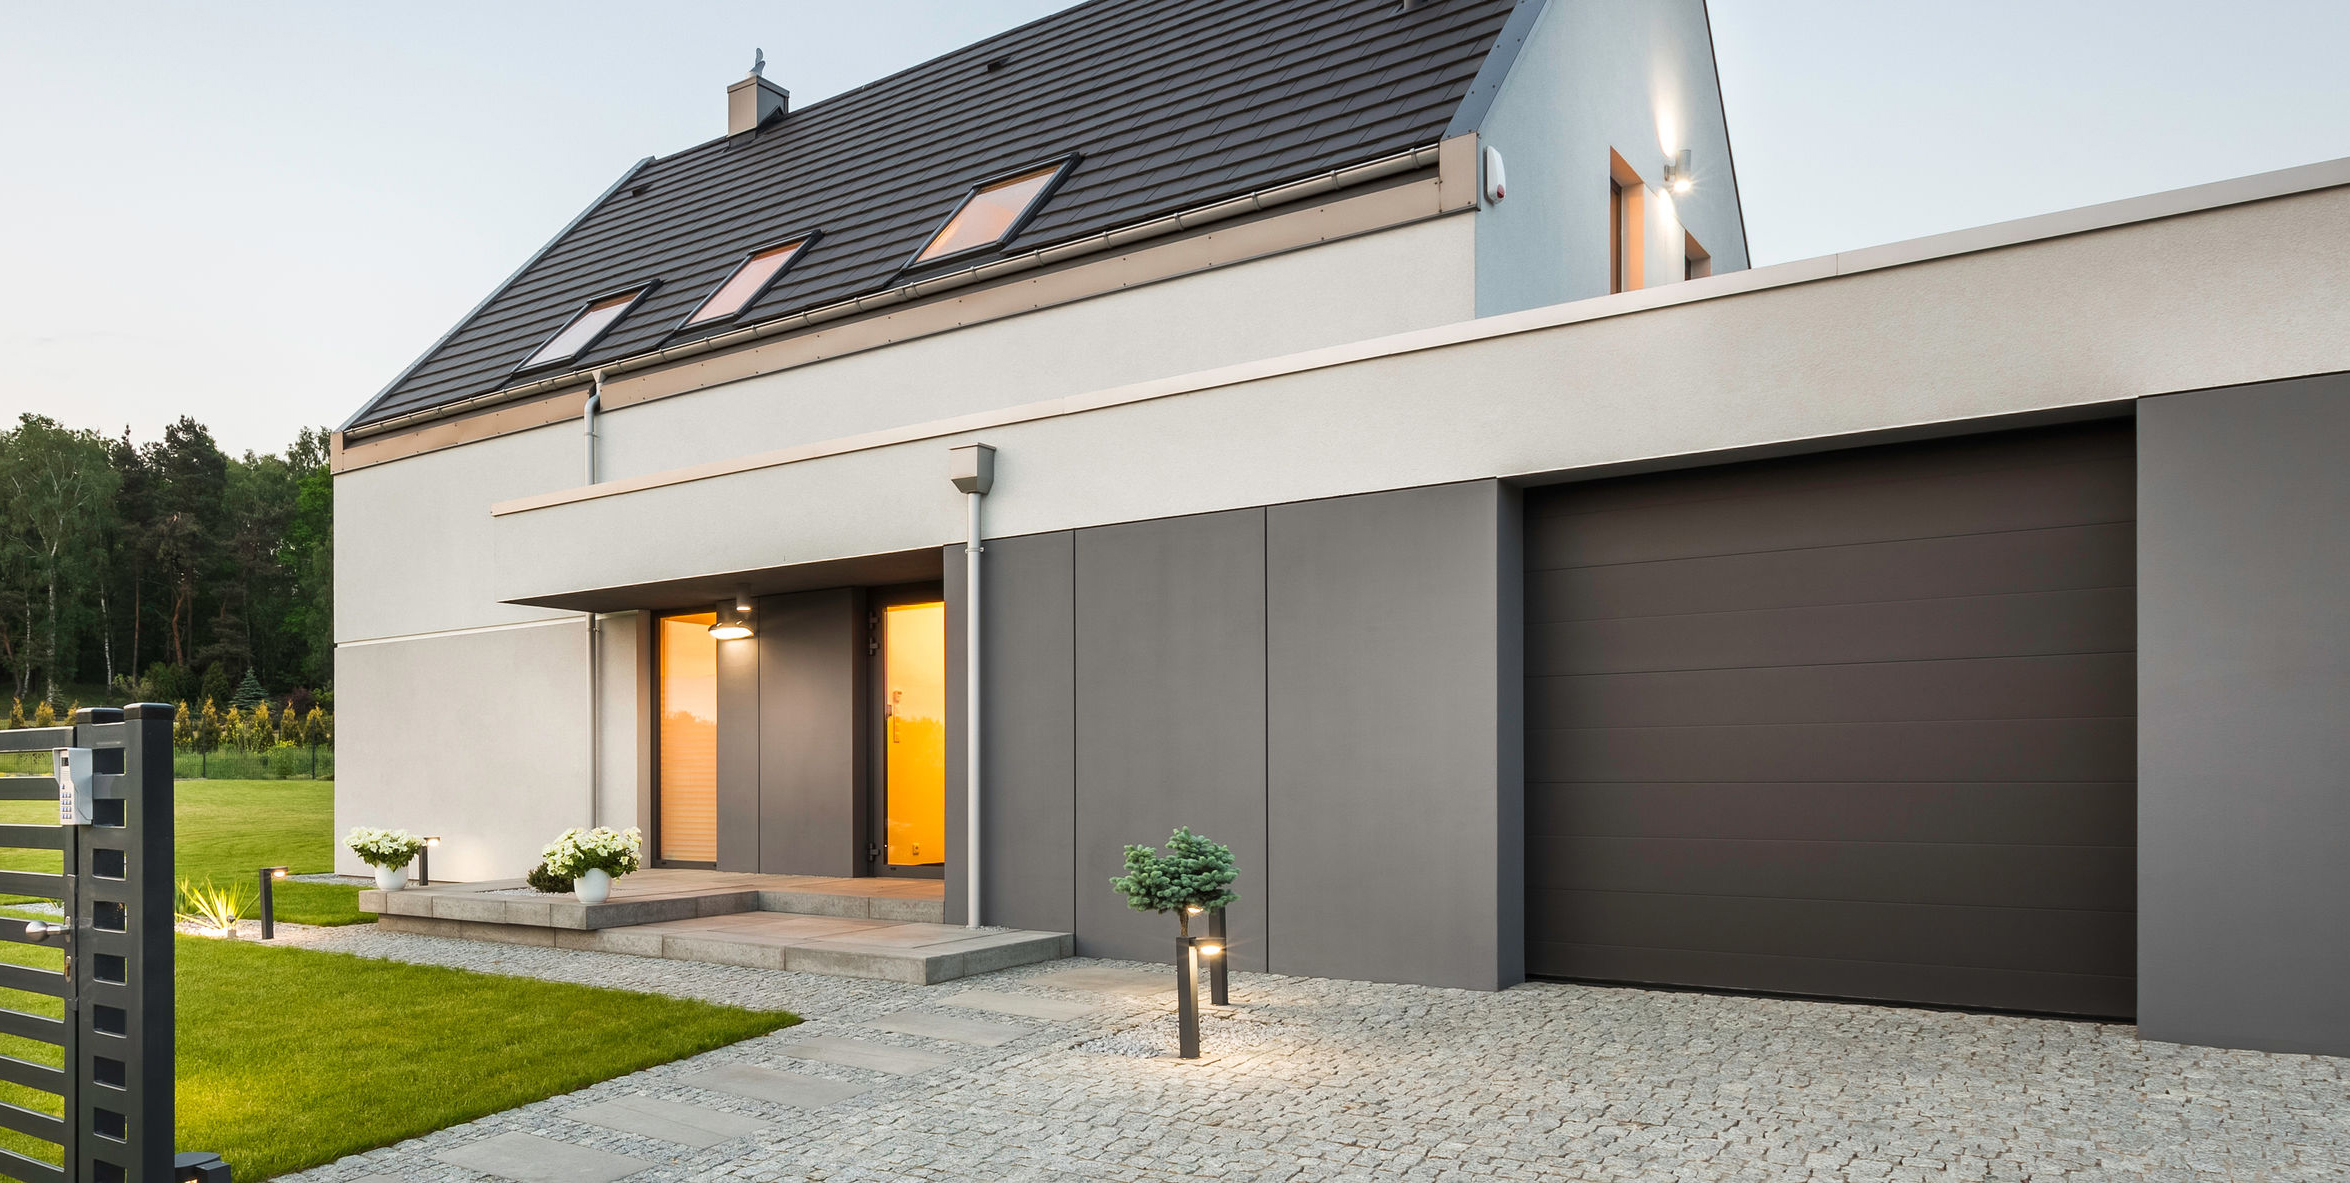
{"x": 289, "y": 1058}
{"x": 228, "y": 831}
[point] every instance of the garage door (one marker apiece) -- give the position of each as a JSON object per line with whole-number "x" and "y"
{"x": 1857, "y": 725}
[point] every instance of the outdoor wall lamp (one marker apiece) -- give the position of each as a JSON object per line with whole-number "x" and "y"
{"x": 269, "y": 878}
{"x": 424, "y": 861}
{"x": 1677, "y": 175}
{"x": 734, "y": 620}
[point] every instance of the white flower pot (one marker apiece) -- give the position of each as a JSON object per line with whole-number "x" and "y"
{"x": 593, "y": 886}
{"x": 391, "y": 878}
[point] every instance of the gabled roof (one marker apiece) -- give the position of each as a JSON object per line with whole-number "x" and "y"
{"x": 1169, "y": 103}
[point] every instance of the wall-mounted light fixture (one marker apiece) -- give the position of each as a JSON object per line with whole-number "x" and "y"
{"x": 1677, "y": 175}
{"x": 734, "y": 619}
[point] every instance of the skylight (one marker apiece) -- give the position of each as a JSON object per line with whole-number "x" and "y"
{"x": 752, "y": 277}
{"x": 585, "y": 328}
{"x": 993, "y": 211}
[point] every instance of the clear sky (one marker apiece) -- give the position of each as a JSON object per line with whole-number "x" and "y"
{"x": 257, "y": 213}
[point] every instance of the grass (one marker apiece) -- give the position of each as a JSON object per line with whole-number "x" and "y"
{"x": 228, "y": 831}
{"x": 289, "y": 1058}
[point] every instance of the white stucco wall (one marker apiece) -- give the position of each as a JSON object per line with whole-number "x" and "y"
{"x": 1634, "y": 76}
{"x": 1369, "y": 286}
{"x": 1775, "y": 357}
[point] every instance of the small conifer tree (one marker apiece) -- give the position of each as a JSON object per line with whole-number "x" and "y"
{"x": 289, "y": 726}
{"x": 44, "y": 715}
{"x": 183, "y": 728}
{"x": 208, "y": 727}
{"x": 1193, "y": 873}
{"x": 16, "y": 717}
{"x": 249, "y": 693}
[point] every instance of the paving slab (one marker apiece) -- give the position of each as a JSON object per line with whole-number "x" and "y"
{"x": 798, "y": 1090}
{"x": 952, "y": 1028}
{"x": 670, "y": 1121}
{"x": 528, "y": 1158}
{"x": 1058, "y": 1010}
{"x": 1103, "y": 980}
{"x": 864, "y": 1053}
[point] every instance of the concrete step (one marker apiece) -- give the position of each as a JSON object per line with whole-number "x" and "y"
{"x": 652, "y": 897}
{"x": 894, "y": 951}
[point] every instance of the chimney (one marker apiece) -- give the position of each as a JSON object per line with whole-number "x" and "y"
{"x": 754, "y": 100}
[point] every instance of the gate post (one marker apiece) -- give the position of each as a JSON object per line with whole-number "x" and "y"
{"x": 119, "y": 954}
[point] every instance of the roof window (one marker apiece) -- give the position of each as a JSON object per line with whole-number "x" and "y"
{"x": 750, "y": 280}
{"x": 993, "y": 211}
{"x": 586, "y": 327}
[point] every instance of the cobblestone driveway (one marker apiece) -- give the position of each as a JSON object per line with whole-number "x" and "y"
{"x": 1317, "y": 1080}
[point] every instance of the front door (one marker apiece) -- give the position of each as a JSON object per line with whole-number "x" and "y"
{"x": 910, "y": 786}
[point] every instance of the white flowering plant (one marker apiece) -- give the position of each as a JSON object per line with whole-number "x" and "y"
{"x": 383, "y": 848}
{"x": 575, "y": 852}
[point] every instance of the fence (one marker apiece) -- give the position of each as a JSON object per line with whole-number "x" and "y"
{"x": 114, "y": 981}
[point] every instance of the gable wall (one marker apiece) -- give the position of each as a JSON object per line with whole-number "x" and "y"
{"x": 1635, "y": 76}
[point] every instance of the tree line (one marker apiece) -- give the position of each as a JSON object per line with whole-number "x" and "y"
{"x": 165, "y": 570}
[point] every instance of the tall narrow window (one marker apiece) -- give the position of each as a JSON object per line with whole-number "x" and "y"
{"x": 586, "y": 327}
{"x": 750, "y": 280}
{"x": 1695, "y": 262}
{"x": 1615, "y": 238}
{"x": 1627, "y": 236}
{"x": 687, "y": 779}
{"x": 992, "y": 212}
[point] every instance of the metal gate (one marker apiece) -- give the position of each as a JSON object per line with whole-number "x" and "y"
{"x": 114, "y": 1117}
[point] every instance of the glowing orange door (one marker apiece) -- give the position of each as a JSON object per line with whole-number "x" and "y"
{"x": 914, "y": 739}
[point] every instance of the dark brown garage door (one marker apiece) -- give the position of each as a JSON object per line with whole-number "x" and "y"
{"x": 1857, "y": 724}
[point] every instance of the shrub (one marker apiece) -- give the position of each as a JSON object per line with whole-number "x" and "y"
{"x": 543, "y": 880}
{"x": 575, "y": 852}
{"x": 1194, "y": 875}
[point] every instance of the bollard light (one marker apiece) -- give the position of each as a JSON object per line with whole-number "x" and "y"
{"x": 1219, "y": 987}
{"x": 424, "y": 861}
{"x": 269, "y": 878}
{"x": 1187, "y": 997}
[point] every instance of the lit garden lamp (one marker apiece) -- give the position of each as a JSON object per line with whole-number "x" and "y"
{"x": 424, "y": 861}
{"x": 269, "y": 878}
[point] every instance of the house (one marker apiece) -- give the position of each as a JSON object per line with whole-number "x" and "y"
{"x": 1382, "y": 460}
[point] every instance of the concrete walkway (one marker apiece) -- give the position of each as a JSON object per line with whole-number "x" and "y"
{"x": 1066, "y": 1072}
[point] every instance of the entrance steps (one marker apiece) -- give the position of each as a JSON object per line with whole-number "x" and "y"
{"x": 888, "y": 929}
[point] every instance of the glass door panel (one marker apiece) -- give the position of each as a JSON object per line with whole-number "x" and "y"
{"x": 688, "y": 743}
{"x": 914, "y": 733}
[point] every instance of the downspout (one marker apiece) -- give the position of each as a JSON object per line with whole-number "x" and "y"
{"x": 973, "y": 472}
{"x": 595, "y": 632}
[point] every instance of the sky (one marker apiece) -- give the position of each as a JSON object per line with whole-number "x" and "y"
{"x": 258, "y": 213}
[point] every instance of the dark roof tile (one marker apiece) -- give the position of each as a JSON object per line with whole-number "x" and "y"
{"x": 1173, "y": 103}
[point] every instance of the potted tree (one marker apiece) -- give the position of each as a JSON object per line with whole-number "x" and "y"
{"x": 1194, "y": 876}
{"x": 592, "y": 858}
{"x": 388, "y": 851}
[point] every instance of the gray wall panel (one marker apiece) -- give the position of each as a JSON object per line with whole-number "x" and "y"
{"x": 811, "y": 748}
{"x": 1385, "y": 793}
{"x": 738, "y": 755}
{"x": 1170, "y": 713}
{"x": 1030, "y": 774}
{"x": 2244, "y": 687}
